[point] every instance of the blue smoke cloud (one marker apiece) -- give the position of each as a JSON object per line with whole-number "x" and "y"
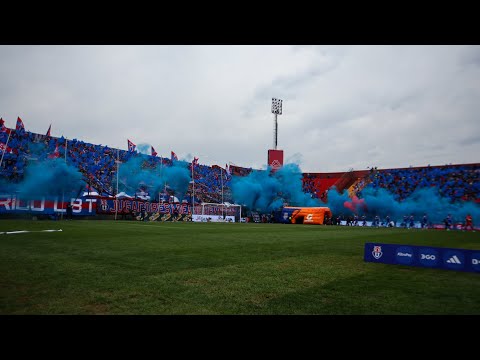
{"x": 425, "y": 200}
{"x": 266, "y": 191}
{"x": 36, "y": 149}
{"x": 50, "y": 177}
{"x": 144, "y": 149}
{"x": 336, "y": 201}
{"x": 133, "y": 175}
{"x": 178, "y": 177}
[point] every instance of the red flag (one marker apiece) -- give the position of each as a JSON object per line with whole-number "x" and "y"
{"x": 154, "y": 153}
{"x": 173, "y": 156}
{"x": 3, "y": 128}
{"x": 5, "y": 148}
{"x": 131, "y": 146}
{"x": 55, "y": 154}
{"x": 19, "y": 124}
{"x": 90, "y": 189}
{"x": 49, "y": 128}
{"x": 194, "y": 162}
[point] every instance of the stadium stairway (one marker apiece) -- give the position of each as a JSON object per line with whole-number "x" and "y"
{"x": 345, "y": 181}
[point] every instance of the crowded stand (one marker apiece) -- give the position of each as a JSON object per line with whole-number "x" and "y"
{"x": 455, "y": 182}
{"x": 97, "y": 163}
{"x": 212, "y": 184}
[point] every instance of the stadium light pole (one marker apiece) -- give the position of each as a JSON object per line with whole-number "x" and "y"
{"x": 277, "y": 110}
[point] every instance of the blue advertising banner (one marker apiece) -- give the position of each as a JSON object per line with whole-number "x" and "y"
{"x": 423, "y": 256}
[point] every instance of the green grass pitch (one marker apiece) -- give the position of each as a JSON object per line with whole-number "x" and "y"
{"x": 128, "y": 267}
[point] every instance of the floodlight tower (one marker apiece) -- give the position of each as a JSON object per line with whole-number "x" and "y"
{"x": 275, "y": 157}
{"x": 277, "y": 110}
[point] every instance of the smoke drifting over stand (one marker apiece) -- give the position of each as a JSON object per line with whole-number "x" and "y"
{"x": 50, "y": 177}
{"x": 266, "y": 191}
{"x": 132, "y": 176}
{"x": 382, "y": 203}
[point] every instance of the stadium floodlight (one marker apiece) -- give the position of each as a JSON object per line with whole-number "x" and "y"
{"x": 277, "y": 110}
{"x": 277, "y": 106}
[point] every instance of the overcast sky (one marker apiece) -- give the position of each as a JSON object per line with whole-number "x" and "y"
{"x": 343, "y": 106}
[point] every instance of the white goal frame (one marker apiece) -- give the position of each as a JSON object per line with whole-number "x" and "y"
{"x": 219, "y": 216}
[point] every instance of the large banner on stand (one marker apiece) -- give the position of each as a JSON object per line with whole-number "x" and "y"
{"x": 110, "y": 206}
{"x": 15, "y": 204}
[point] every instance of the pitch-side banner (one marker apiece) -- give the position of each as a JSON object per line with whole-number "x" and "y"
{"x": 110, "y": 206}
{"x": 13, "y": 204}
{"x": 423, "y": 256}
{"x": 212, "y": 218}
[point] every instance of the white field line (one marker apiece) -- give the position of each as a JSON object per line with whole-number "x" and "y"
{"x": 26, "y": 231}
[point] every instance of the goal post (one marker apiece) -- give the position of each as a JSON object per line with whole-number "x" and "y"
{"x": 217, "y": 212}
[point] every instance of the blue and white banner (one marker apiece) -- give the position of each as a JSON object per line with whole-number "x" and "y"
{"x": 423, "y": 256}
{"x": 14, "y": 204}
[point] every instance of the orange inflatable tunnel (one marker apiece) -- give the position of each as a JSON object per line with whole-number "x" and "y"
{"x": 307, "y": 215}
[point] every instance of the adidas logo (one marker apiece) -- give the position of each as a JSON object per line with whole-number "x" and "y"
{"x": 454, "y": 260}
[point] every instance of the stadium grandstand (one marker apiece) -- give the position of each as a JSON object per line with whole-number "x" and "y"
{"x": 97, "y": 164}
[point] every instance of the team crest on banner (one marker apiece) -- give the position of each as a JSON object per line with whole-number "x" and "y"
{"x": 104, "y": 205}
{"x": 276, "y": 164}
{"x": 377, "y": 252}
{"x": 275, "y": 159}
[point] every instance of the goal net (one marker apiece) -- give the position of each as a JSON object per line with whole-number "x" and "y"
{"x": 214, "y": 212}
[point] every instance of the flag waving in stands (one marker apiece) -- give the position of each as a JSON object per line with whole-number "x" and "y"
{"x": 90, "y": 190}
{"x": 55, "y": 154}
{"x": 194, "y": 162}
{"x": 154, "y": 153}
{"x": 3, "y": 128}
{"x": 5, "y": 149}
{"x": 227, "y": 169}
{"x": 131, "y": 146}
{"x": 20, "y": 125}
{"x": 174, "y": 156}
{"x": 48, "y": 131}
